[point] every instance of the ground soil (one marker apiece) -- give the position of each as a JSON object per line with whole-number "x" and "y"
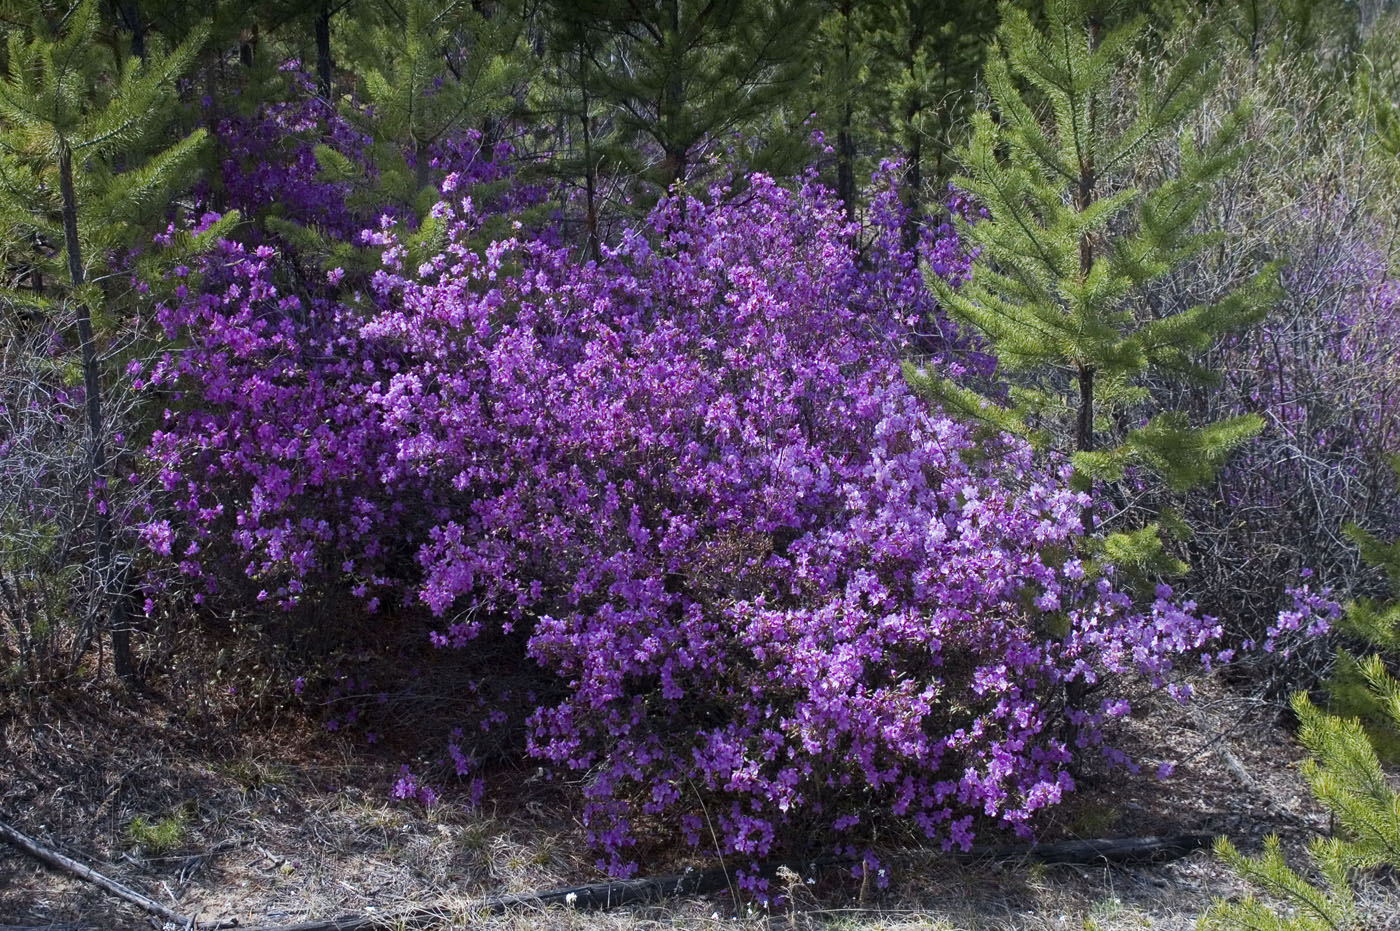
{"x": 271, "y": 818}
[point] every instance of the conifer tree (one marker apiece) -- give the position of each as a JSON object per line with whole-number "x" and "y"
{"x": 428, "y": 69}
{"x": 1073, "y": 237}
{"x": 840, "y": 84}
{"x": 584, "y": 134}
{"x": 924, "y": 60}
{"x": 78, "y": 174}
{"x": 896, "y": 76}
{"x": 674, "y": 74}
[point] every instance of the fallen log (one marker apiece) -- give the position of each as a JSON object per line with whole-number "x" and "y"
{"x": 74, "y": 868}
{"x": 1125, "y": 850}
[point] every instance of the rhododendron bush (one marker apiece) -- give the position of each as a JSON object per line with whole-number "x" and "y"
{"x": 772, "y": 585}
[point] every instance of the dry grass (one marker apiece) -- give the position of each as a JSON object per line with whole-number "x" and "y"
{"x": 292, "y": 822}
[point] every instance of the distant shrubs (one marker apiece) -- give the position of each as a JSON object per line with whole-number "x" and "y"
{"x": 1315, "y": 194}
{"x": 1323, "y": 371}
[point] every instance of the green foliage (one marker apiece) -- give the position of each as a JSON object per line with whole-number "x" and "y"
{"x": 1376, "y": 85}
{"x": 1349, "y": 695}
{"x": 158, "y": 836}
{"x": 1141, "y": 551}
{"x": 84, "y": 175}
{"x": 570, "y": 93}
{"x": 673, "y": 79}
{"x": 839, "y": 88}
{"x": 1346, "y": 776}
{"x": 896, "y": 77}
{"x": 64, "y": 91}
{"x": 923, "y": 61}
{"x": 427, "y": 69}
{"x": 1330, "y": 907}
{"x": 1076, "y": 237}
{"x": 1359, "y": 687}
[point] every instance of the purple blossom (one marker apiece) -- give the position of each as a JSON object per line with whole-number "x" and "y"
{"x": 762, "y": 573}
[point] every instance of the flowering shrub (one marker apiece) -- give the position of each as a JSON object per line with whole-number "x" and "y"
{"x": 766, "y": 579}
{"x": 268, "y": 163}
{"x": 1310, "y": 615}
{"x": 267, "y": 370}
{"x": 273, "y": 452}
{"x": 774, "y": 582}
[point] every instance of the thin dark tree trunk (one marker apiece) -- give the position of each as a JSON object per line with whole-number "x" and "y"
{"x": 947, "y": 46}
{"x": 104, "y": 561}
{"x": 590, "y": 180}
{"x": 248, "y": 45}
{"x": 914, "y": 143}
{"x": 677, "y": 150}
{"x": 421, "y": 158}
{"x": 129, "y": 12}
{"x": 324, "y": 64}
{"x": 1077, "y": 691}
{"x": 845, "y": 143}
{"x": 1084, "y": 198}
{"x": 213, "y": 64}
{"x": 1084, "y": 421}
{"x": 845, "y": 164}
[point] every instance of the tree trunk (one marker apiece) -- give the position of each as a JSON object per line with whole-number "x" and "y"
{"x": 1077, "y": 691}
{"x": 675, "y": 149}
{"x": 421, "y": 158}
{"x": 104, "y": 561}
{"x": 590, "y": 181}
{"x": 845, "y": 143}
{"x": 213, "y": 67}
{"x": 1083, "y": 198}
{"x": 913, "y": 142}
{"x": 129, "y": 11}
{"x": 323, "y": 49}
{"x": 248, "y": 45}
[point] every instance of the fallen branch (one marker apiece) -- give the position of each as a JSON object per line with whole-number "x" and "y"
{"x": 1096, "y": 850}
{"x": 73, "y": 867}
{"x": 700, "y": 882}
{"x": 1222, "y": 749}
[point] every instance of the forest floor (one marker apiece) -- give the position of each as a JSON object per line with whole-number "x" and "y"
{"x": 275, "y": 820}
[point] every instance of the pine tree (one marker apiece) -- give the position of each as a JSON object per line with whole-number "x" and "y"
{"x": 1074, "y": 236}
{"x": 837, "y": 88}
{"x": 584, "y": 135}
{"x": 896, "y": 77}
{"x": 1346, "y": 776}
{"x": 924, "y": 61}
{"x": 77, "y": 181}
{"x": 426, "y": 70}
{"x": 675, "y": 76}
